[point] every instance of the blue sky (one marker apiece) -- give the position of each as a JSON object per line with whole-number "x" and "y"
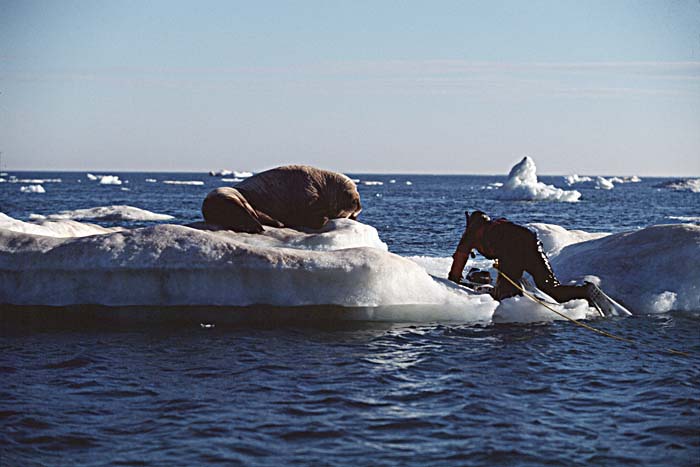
{"x": 595, "y": 87}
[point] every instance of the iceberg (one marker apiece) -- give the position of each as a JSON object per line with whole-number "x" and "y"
{"x": 522, "y": 185}
{"x": 32, "y": 189}
{"x": 242, "y": 174}
{"x": 106, "y": 213}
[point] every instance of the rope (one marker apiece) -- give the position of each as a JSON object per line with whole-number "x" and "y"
{"x": 583, "y": 325}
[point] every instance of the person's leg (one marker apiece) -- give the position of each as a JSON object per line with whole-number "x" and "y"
{"x": 504, "y": 288}
{"x": 538, "y": 265}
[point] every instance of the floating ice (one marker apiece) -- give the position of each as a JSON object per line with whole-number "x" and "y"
{"x": 344, "y": 265}
{"x": 32, "y": 189}
{"x": 238, "y": 174}
{"x": 92, "y": 177}
{"x": 408, "y": 182}
{"x": 649, "y": 270}
{"x": 36, "y": 181}
{"x": 688, "y": 184}
{"x": 220, "y": 173}
{"x": 113, "y": 213}
{"x": 392, "y": 181}
{"x": 183, "y": 182}
{"x": 232, "y": 180}
{"x": 602, "y": 183}
{"x": 372, "y": 183}
{"x": 110, "y": 180}
{"x": 48, "y": 228}
{"x": 575, "y": 178}
{"x": 176, "y": 265}
{"x": 522, "y": 185}
{"x": 151, "y": 180}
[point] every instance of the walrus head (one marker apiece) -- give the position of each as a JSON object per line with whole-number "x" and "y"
{"x": 228, "y": 208}
{"x": 347, "y": 199}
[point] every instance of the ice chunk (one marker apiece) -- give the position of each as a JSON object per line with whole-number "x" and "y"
{"x": 243, "y": 174}
{"x": 220, "y": 173}
{"x": 602, "y": 183}
{"x": 110, "y": 180}
{"x": 232, "y": 180}
{"x": 372, "y": 183}
{"x": 575, "y": 178}
{"x": 649, "y": 271}
{"x": 151, "y": 180}
{"x": 106, "y": 213}
{"x": 32, "y": 189}
{"x": 522, "y": 185}
{"x": 183, "y": 182}
{"x": 555, "y": 237}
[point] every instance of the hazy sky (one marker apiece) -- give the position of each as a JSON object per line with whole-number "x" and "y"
{"x": 588, "y": 87}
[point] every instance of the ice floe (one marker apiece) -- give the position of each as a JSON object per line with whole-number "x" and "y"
{"x": 32, "y": 189}
{"x": 343, "y": 265}
{"x": 184, "y": 182}
{"x": 220, "y": 173}
{"x": 372, "y": 183}
{"x": 522, "y": 185}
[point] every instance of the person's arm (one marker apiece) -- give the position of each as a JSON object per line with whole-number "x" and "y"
{"x": 460, "y": 257}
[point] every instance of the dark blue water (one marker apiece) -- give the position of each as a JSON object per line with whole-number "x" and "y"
{"x": 86, "y": 387}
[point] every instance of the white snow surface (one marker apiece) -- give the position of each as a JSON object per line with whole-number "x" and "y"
{"x": 522, "y": 185}
{"x": 651, "y": 270}
{"x": 32, "y": 189}
{"x": 51, "y": 228}
{"x": 242, "y": 174}
{"x": 106, "y": 213}
{"x": 345, "y": 264}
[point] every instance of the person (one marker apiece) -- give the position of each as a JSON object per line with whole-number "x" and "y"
{"x": 517, "y": 250}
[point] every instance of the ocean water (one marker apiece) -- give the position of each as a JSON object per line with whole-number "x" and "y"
{"x": 81, "y": 386}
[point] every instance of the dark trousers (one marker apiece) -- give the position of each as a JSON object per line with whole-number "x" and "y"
{"x": 528, "y": 255}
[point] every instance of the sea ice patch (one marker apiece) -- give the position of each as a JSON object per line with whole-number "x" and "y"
{"x": 522, "y": 185}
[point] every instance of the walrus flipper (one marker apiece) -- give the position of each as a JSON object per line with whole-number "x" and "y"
{"x": 266, "y": 219}
{"x": 227, "y": 208}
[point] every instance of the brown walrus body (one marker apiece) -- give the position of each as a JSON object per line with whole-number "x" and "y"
{"x": 294, "y": 196}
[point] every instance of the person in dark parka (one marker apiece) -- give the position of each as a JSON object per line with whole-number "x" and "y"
{"x": 517, "y": 250}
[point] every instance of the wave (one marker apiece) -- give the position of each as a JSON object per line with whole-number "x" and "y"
{"x": 522, "y": 185}
{"x": 106, "y": 213}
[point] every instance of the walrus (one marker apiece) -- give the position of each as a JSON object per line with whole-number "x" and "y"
{"x": 296, "y": 196}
